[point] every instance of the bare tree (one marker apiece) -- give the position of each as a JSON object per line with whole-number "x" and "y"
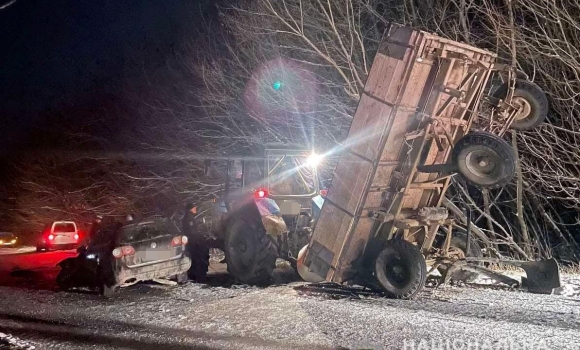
{"x": 336, "y": 41}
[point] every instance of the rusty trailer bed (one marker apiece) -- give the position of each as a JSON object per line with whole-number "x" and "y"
{"x": 419, "y": 98}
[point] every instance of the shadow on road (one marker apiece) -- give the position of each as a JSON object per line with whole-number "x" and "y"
{"x": 130, "y": 336}
{"x": 31, "y": 270}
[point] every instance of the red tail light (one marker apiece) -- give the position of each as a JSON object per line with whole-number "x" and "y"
{"x": 261, "y": 194}
{"x": 50, "y": 237}
{"x": 179, "y": 240}
{"x": 120, "y": 252}
{"x": 76, "y": 237}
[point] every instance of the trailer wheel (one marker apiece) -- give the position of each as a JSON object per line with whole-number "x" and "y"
{"x": 484, "y": 159}
{"x": 531, "y": 99}
{"x": 458, "y": 248}
{"x": 400, "y": 269}
{"x": 250, "y": 253}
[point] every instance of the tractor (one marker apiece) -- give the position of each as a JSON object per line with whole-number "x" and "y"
{"x": 268, "y": 208}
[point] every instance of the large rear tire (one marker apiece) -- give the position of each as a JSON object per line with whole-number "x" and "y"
{"x": 484, "y": 159}
{"x": 400, "y": 269}
{"x": 250, "y": 253}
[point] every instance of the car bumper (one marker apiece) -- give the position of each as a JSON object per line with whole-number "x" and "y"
{"x": 129, "y": 275}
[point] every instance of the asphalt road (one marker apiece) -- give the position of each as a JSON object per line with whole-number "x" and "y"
{"x": 223, "y": 315}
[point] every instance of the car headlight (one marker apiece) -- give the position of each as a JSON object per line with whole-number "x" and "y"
{"x": 1, "y": 241}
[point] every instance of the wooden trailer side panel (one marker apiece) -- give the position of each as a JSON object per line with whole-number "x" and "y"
{"x": 341, "y": 234}
{"x": 420, "y": 88}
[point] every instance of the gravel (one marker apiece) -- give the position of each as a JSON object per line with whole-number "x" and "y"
{"x": 223, "y": 315}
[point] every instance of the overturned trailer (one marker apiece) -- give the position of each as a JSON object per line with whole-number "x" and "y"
{"x": 427, "y": 113}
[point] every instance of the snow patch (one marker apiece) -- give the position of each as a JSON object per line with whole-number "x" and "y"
{"x": 19, "y": 250}
{"x": 10, "y": 342}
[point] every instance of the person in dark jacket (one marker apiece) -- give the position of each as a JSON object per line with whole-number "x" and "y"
{"x": 197, "y": 247}
{"x": 95, "y": 225}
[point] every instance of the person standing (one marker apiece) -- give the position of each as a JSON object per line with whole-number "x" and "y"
{"x": 197, "y": 247}
{"x": 95, "y": 225}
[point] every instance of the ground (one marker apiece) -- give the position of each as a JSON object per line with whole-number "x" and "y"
{"x": 223, "y": 315}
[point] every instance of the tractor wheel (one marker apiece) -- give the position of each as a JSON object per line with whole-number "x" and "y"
{"x": 199, "y": 254}
{"x": 458, "y": 249}
{"x": 484, "y": 159}
{"x": 250, "y": 253}
{"x": 400, "y": 269}
{"x": 533, "y": 103}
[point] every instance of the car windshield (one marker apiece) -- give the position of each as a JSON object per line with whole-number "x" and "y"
{"x": 6, "y": 235}
{"x": 290, "y": 175}
{"x": 64, "y": 227}
{"x": 142, "y": 231}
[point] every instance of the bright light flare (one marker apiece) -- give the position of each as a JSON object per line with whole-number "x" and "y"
{"x": 313, "y": 160}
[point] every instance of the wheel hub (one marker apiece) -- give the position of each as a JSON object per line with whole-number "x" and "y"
{"x": 241, "y": 252}
{"x": 396, "y": 272}
{"x": 524, "y": 107}
{"x": 456, "y": 253}
{"x": 482, "y": 163}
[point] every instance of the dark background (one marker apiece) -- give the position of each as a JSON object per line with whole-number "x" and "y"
{"x": 62, "y": 55}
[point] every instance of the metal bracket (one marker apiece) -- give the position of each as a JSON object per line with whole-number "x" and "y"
{"x": 438, "y": 168}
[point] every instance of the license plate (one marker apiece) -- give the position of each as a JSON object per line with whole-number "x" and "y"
{"x": 158, "y": 255}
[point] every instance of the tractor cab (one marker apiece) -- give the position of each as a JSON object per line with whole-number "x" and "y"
{"x": 286, "y": 174}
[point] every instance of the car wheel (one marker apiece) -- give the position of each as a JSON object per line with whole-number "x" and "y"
{"x": 64, "y": 280}
{"x": 400, "y": 269}
{"x": 484, "y": 159}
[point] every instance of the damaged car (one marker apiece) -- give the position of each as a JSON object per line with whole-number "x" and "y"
{"x": 123, "y": 254}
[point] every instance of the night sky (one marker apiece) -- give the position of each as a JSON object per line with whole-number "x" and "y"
{"x": 83, "y": 52}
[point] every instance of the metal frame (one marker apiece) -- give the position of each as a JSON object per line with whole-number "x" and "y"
{"x": 452, "y": 79}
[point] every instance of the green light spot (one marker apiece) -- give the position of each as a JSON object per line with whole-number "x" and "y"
{"x": 277, "y": 85}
